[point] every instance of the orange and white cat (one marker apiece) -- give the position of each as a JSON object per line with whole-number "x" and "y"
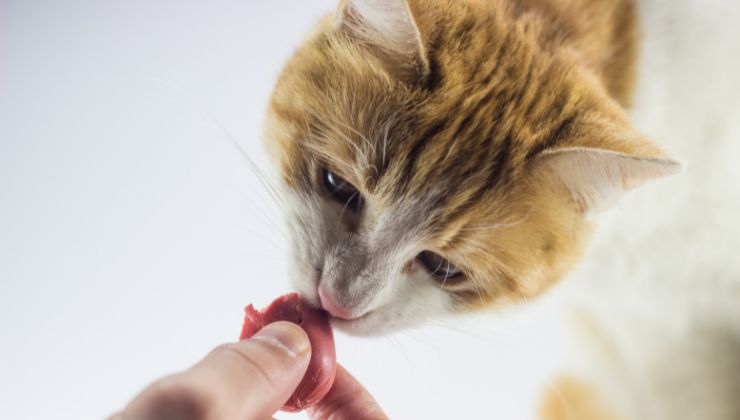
{"x": 443, "y": 157}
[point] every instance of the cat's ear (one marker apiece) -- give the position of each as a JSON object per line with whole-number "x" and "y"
{"x": 389, "y": 28}
{"x": 597, "y": 178}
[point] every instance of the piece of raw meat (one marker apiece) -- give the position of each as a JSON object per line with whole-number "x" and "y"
{"x": 323, "y": 365}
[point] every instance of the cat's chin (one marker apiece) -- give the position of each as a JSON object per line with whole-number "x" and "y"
{"x": 371, "y": 324}
{"x": 359, "y": 327}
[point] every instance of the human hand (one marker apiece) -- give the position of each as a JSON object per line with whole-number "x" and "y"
{"x": 250, "y": 379}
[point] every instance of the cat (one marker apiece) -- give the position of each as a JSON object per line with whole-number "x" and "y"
{"x": 444, "y": 157}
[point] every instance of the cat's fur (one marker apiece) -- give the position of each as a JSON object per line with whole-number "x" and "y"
{"x": 489, "y": 132}
{"x": 655, "y": 303}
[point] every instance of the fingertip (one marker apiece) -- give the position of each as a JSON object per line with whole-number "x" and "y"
{"x": 249, "y": 378}
{"x": 286, "y": 336}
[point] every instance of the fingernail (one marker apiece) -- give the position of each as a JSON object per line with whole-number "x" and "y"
{"x": 286, "y": 335}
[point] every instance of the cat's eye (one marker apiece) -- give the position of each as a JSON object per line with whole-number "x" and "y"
{"x": 342, "y": 191}
{"x": 438, "y": 266}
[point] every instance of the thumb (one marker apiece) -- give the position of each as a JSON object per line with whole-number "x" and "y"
{"x": 250, "y": 379}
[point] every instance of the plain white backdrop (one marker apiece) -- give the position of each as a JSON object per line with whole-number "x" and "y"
{"x": 132, "y": 232}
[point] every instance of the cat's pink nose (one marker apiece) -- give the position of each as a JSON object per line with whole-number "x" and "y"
{"x": 332, "y": 307}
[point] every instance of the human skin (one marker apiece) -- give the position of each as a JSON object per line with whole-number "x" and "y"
{"x": 250, "y": 379}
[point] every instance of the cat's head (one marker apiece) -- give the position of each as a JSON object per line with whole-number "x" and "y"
{"x": 437, "y": 159}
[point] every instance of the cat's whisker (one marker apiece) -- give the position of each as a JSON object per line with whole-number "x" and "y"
{"x": 344, "y": 208}
{"x": 503, "y": 224}
{"x": 264, "y": 238}
{"x": 371, "y": 145}
{"x": 444, "y": 281}
{"x": 328, "y": 158}
{"x": 267, "y": 239}
{"x": 375, "y": 171}
{"x": 491, "y": 227}
{"x": 271, "y": 257}
{"x": 195, "y": 103}
{"x": 495, "y": 333}
{"x": 418, "y": 336}
{"x": 550, "y": 384}
{"x": 452, "y": 327}
{"x": 360, "y": 154}
{"x": 480, "y": 290}
{"x": 338, "y": 129}
{"x": 397, "y": 345}
{"x": 449, "y": 152}
{"x": 260, "y": 213}
{"x": 270, "y": 187}
{"x": 430, "y": 277}
{"x": 278, "y": 228}
{"x": 506, "y": 336}
{"x": 261, "y": 176}
{"x": 386, "y": 131}
{"x": 362, "y": 137}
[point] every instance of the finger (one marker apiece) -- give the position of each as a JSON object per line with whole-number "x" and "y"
{"x": 347, "y": 399}
{"x": 250, "y": 379}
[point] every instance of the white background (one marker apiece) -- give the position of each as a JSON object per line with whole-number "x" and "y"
{"x": 132, "y": 232}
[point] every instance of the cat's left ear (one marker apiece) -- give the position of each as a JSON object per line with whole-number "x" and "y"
{"x": 389, "y": 28}
{"x": 597, "y": 178}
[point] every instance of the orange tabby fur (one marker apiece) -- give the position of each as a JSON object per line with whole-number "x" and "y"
{"x": 506, "y": 83}
{"x": 461, "y": 121}
{"x": 571, "y": 399}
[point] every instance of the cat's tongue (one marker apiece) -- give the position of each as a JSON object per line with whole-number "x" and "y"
{"x": 323, "y": 364}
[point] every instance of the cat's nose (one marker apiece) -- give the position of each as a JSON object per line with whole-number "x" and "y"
{"x": 331, "y": 306}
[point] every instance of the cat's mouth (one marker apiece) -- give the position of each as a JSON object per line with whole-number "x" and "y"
{"x": 335, "y": 310}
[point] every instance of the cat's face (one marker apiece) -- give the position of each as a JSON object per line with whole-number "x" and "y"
{"x": 440, "y": 170}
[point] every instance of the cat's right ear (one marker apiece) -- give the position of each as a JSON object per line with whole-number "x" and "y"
{"x": 389, "y": 29}
{"x": 597, "y": 178}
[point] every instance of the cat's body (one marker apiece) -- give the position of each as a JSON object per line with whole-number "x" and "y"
{"x": 656, "y": 299}
{"x": 483, "y": 137}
